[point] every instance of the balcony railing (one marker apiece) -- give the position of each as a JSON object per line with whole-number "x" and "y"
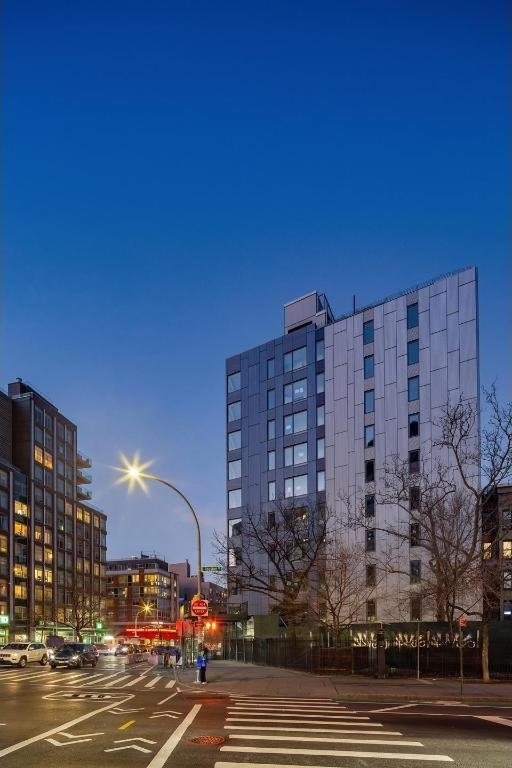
{"x": 83, "y": 461}
{"x": 83, "y": 477}
{"x": 81, "y": 493}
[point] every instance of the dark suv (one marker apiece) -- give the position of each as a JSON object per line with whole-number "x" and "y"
{"x": 75, "y": 655}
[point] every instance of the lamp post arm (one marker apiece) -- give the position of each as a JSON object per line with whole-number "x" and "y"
{"x": 191, "y": 508}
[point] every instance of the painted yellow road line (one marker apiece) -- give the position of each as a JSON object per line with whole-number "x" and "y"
{"x": 126, "y": 725}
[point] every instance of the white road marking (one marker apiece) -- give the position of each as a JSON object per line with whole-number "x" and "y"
{"x": 392, "y": 709}
{"x": 21, "y": 677}
{"x": 53, "y": 731}
{"x": 116, "y": 681}
{"x": 171, "y": 684}
{"x": 324, "y": 740}
{"x": 309, "y": 730}
{"x": 339, "y": 753}
{"x": 94, "y": 678}
{"x": 271, "y": 712}
{"x": 129, "y": 746}
{"x": 168, "y": 697}
{"x": 168, "y": 748}
{"x": 58, "y": 681}
{"x": 133, "y": 682}
{"x": 288, "y": 708}
{"x": 495, "y": 719}
{"x": 153, "y": 682}
{"x": 341, "y": 721}
{"x": 278, "y": 698}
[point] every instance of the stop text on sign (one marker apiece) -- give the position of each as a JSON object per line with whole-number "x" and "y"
{"x": 199, "y": 607}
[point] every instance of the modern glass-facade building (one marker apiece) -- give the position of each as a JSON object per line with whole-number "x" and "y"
{"x": 313, "y": 416}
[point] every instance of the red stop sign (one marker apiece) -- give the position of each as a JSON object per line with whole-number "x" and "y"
{"x": 463, "y": 621}
{"x": 199, "y": 607}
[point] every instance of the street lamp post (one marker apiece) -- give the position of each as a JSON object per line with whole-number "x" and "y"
{"x": 135, "y": 473}
{"x": 144, "y": 609}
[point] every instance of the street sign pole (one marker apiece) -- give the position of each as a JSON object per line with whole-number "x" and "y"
{"x": 463, "y": 622}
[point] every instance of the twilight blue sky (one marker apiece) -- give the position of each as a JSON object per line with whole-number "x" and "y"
{"x": 175, "y": 172}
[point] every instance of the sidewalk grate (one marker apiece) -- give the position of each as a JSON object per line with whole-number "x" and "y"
{"x": 212, "y": 740}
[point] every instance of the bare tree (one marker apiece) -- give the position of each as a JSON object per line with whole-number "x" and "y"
{"x": 439, "y": 509}
{"x": 277, "y": 554}
{"x": 81, "y": 612}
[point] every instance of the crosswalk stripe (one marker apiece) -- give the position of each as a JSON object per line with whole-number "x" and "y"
{"x": 341, "y": 721}
{"x": 171, "y": 684}
{"x": 90, "y": 678}
{"x": 153, "y": 682}
{"x": 324, "y": 740}
{"x": 289, "y": 708}
{"x": 56, "y": 679}
{"x": 116, "y": 681}
{"x": 337, "y": 753}
{"x": 15, "y": 676}
{"x": 266, "y": 713}
{"x": 309, "y": 730}
{"x": 133, "y": 682}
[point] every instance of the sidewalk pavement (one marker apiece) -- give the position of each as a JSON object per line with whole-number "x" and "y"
{"x": 249, "y": 679}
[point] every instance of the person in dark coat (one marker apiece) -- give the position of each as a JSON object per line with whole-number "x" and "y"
{"x": 201, "y": 663}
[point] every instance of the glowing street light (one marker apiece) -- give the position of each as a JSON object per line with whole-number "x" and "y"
{"x": 145, "y": 608}
{"x": 134, "y": 473}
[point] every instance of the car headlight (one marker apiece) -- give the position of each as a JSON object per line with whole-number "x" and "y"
{"x": 75, "y": 657}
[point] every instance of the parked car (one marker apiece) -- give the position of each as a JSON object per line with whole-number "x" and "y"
{"x": 105, "y": 650}
{"x": 20, "y": 654}
{"x": 125, "y": 649}
{"x": 75, "y": 655}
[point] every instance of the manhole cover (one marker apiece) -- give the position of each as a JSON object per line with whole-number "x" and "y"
{"x": 212, "y": 740}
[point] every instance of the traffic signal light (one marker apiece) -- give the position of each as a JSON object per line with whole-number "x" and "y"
{"x": 211, "y": 625}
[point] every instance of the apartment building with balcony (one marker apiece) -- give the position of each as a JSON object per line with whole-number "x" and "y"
{"x": 497, "y": 551}
{"x": 52, "y": 540}
{"x": 314, "y": 415}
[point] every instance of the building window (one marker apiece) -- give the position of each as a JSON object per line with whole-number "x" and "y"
{"x": 371, "y": 611}
{"x": 234, "y": 469}
{"x": 371, "y": 575}
{"x": 369, "y": 436}
{"x": 507, "y": 579}
{"x": 507, "y": 610}
{"x": 368, "y": 367}
{"x": 235, "y": 498}
{"x": 412, "y": 316}
{"x": 294, "y": 360}
{"x": 414, "y": 535}
{"x": 369, "y": 505}
{"x": 413, "y": 388}
{"x": 234, "y": 440}
{"x": 234, "y": 411}
{"x": 320, "y": 480}
{"x": 38, "y": 454}
{"x": 234, "y": 382}
{"x": 414, "y": 497}
{"x": 295, "y": 486}
{"x": 369, "y": 471}
{"x": 506, "y": 517}
{"x": 368, "y": 332}
{"x": 48, "y": 460}
{"x": 487, "y": 550}
{"x": 415, "y": 571}
{"x": 320, "y": 349}
{"x": 320, "y": 448}
{"x": 413, "y": 352}
{"x": 414, "y": 462}
{"x": 271, "y": 460}
{"x": 271, "y": 399}
{"x": 296, "y": 391}
{"x": 271, "y": 368}
{"x": 271, "y": 429}
{"x": 296, "y": 422}
{"x": 295, "y": 454}
{"x": 320, "y": 415}
{"x": 271, "y": 491}
{"x": 370, "y": 539}
{"x": 415, "y": 607}
{"x": 369, "y": 401}
{"x": 414, "y": 424}
{"x": 507, "y": 549}
{"x": 320, "y": 383}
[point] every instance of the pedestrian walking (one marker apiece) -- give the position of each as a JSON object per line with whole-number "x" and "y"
{"x": 201, "y": 663}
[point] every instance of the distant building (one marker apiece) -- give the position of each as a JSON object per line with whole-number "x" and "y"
{"x": 497, "y": 544}
{"x": 135, "y": 582}
{"x": 52, "y": 540}
{"x": 188, "y": 588}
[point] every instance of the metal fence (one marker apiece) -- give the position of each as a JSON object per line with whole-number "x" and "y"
{"x": 402, "y": 658}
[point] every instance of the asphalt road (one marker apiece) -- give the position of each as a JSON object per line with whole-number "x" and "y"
{"x": 111, "y": 716}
